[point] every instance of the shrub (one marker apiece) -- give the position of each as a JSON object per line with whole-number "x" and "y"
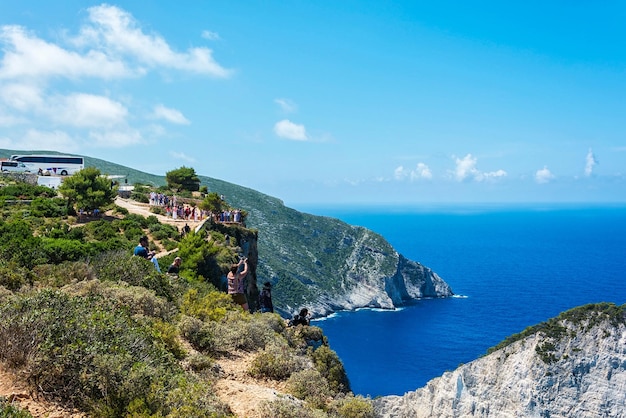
{"x": 192, "y": 399}
{"x": 139, "y": 197}
{"x": 57, "y": 275}
{"x": 353, "y": 407}
{"x": 330, "y": 366}
{"x": 287, "y": 408}
{"x": 120, "y": 266}
{"x": 242, "y": 331}
{"x": 136, "y": 299}
{"x": 275, "y": 362}
{"x": 120, "y": 210}
{"x": 48, "y": 208}
{"x": 211, "y": 305}
{"x": 199, "y": 334}
{"x": 7, "y": 410}
{"x": 96, "y": 357}
{"x": 158, "y": 210}
{"x": 305, "y": 336}
{"x": 309, "y": 385}
{"x": 101, "y": 230}
{"x": 13, "y": 276}
{"x": 199, "y": 362}
{"x": 168, "y": 334}
{"x": 61, "y": 249}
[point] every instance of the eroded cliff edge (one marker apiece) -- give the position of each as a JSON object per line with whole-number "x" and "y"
{"x": 571, "y": 366}
{"x": 328, "y": 265}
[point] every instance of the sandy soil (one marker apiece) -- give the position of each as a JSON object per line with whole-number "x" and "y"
{"x": 20, "y": 396}
{"x": 244, "y": 394}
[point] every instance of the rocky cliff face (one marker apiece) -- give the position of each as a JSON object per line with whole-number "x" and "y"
{"x": 325, "y": 264}
{"x": 336, "y": 266}
{"x": 574, "y": 366}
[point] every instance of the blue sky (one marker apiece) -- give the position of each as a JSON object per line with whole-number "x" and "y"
{"x": 319, "y": 102}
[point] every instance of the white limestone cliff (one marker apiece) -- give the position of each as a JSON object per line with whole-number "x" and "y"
{"x": 576, "y": 367}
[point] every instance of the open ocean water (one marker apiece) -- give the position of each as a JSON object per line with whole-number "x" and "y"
{"x": 509, "y": 267}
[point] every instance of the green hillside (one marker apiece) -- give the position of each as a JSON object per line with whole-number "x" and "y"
{"x": 312, "y": 261}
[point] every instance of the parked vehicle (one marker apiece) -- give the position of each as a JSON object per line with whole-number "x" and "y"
{"x": 55, "y": 164}
{"x": 14, "y": 166}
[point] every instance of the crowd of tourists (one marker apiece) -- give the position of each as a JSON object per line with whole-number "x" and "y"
{"x": 184, "y": 211}
{"x": 235, "y": 279}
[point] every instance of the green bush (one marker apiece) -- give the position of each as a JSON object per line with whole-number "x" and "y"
{"x": 96, "y": 357}
{"x": 241, "y": 331}
{"x": 57, "y": 275}
{"x": 199, "y": 362}
{"x": 330, "y": 366}
{"x": 158, "y": 210}
{"x": 13, "y": 276}
{"x": 139, "y": 197}
{"x": 101, "y": 230}
{"x": 199, "y": 334}
{"x": 7, "y": 410}
{"x": 136, "y": 299}
{"x": 287, "y": 408}
{"x": 48, "y": 208}
{"x": 311, "y": 386}
{"x": 120, "y": 210}
{"x": 275, "y": 362}
{"x": 61, "y": 249}
{"x": 352, "y": 406}
{"x": 212, "y": 305}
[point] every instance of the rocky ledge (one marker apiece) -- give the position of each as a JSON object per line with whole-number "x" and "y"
{"x": 573, "y": 366}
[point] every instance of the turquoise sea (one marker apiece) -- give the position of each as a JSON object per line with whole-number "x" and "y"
{"x": 510, "y": 267}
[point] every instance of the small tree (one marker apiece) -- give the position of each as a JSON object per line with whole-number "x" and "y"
{"x": 88, "y": 190}
{"x": 212, "y": 202}
{"x": 184, "y": 178}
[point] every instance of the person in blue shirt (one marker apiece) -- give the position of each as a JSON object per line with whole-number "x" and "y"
{"x": 142, "y": 249}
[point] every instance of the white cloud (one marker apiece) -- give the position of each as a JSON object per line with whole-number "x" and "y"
{"x": 543, "y": 175}
{"x": 22, "y": 97}
{"x": 286, "y": 105}
{"x": 88, "y": 110}
{"x": 182, "y": 156}
{"x": 289, "y": 130}
{"x": 211, "y": 36}
{"x": 170, "y": 115}
{"x": 590, "y": 162}
{"x": 26, "y": 56}
{"x": 421, "y": 172}
{"x": 117, "y": 31}
{"x": 399, "y": 173}
{"x": 466, "y": 169}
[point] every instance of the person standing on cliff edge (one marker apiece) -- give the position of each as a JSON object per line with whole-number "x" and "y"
{"x": 236, "y": 283}
{"x": 265, "y": 298}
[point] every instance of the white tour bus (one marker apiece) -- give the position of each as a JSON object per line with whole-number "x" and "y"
{"x": 52, "y": 164}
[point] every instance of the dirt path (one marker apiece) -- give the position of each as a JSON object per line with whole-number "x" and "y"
{"x": 244, "y": 394}
{"x": 143, "y": 209}
{"x": 20, "y": 396}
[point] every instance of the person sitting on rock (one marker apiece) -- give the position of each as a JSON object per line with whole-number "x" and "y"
{"x": 301, "y": 319}
{"x": 174, "y": 268}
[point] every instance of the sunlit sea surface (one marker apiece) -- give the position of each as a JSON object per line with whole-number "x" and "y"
{"x": 509, "y": 267}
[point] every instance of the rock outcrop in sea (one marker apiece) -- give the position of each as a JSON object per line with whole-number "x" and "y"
{"x": 571, "y": 366}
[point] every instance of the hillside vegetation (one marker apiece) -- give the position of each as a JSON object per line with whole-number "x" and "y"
{"x": 317, "y": 262}
{"x": 88, "y": 326}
